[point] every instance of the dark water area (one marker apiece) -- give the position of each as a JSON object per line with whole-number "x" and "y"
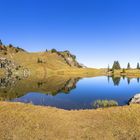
{"x": 70, "y": 93}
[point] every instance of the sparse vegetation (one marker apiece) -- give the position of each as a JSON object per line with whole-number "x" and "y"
{"x": 104, "y": 103}
{"x": 128, "y": 72}
{"x": 25, "y": 121}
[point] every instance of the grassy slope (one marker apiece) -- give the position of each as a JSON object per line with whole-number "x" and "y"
{"x": 25, "y": 122}
{"x": 54, "y": 64}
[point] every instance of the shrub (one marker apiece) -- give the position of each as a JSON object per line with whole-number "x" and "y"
{"x": 10, "y": 45}
{"x": 16, "y": 50}
{"x": 17, "y": 68}
{"x": 53, "y": 51}
{"x": 123, "y": 71}
{"x": 104, "y": 103}
{"x": 39, "y": 60}
{"x": 5, "y": 53}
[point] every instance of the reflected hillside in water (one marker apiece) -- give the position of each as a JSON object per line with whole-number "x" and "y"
{"x": 15, "y": 87}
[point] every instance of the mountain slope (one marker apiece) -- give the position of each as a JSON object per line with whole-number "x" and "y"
{"x": 42, "y": 64}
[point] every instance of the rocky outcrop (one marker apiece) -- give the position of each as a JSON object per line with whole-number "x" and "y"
{"x": 2, "y": 47}
{"x": 135, "y": 99}
{"x": 12, "y": 68}
{"x": 69, "y": 58}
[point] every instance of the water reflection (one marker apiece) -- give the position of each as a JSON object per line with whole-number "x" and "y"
{"x": 15, "y": 87}
{"x": 138, "y": 80}
{"x": 116, "y": 80}
{"x": 58, "y": 91}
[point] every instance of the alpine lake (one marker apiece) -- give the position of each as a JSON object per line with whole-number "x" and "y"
{"x": 69, "y": 92}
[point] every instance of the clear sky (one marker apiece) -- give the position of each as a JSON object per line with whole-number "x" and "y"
{"x": 96, "y": 31}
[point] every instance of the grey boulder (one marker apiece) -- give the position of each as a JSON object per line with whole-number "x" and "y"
{"x": 135, "y": 99}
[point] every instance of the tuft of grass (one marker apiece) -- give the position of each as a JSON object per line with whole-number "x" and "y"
{"x": 104, "y": 103}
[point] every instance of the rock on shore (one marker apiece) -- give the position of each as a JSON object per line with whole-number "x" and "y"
{"x": 135, "y": 99}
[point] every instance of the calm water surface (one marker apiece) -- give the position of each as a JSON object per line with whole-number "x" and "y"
{"x": 82, "y": 93}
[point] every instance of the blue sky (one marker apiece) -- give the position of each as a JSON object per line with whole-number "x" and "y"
{"x": 96, "y": 31}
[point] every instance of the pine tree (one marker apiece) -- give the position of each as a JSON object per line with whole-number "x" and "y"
{"x": 138, "y": 66}
{"x": 116, "y": 65}
{"x": 128, "y": 66}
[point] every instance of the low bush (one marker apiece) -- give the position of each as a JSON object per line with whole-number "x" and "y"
{"x": 104, "y": 103}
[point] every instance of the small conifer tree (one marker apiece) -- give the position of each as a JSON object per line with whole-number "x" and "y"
{"x": 128, "y": 66}
{"x": 138, "y": 66}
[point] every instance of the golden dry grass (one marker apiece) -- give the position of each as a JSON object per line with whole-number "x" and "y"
{"x": 132, "y": 73}
{"x": 53, "y": 64}
{"x": 27, "y": 122}
{"x": 2, "y": 72}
